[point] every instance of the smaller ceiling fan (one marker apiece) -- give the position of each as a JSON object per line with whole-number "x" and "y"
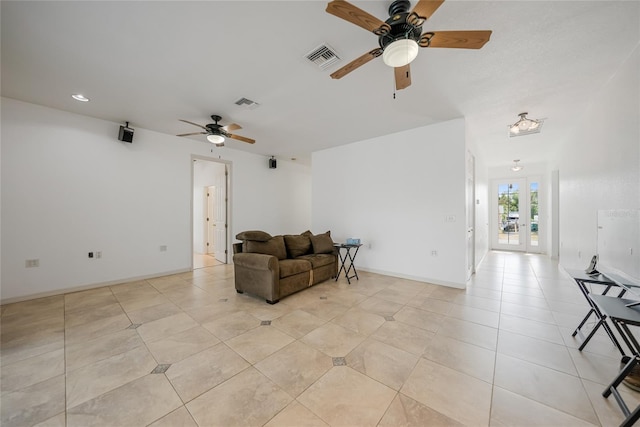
{"x": 217, "y": 133}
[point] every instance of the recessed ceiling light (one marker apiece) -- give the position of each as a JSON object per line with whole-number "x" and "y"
{"x": 80, "y": 97}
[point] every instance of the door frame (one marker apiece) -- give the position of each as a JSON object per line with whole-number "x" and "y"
{"x": 525, "y": 235}
{"x": 228, "y": 168}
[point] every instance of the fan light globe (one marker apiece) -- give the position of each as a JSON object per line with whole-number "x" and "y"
{"x": 400, "y": 53}
{"x": 215, "y": 139}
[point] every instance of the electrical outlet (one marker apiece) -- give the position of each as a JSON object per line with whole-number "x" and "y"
{"x": 90, "y": 254}
{"x": 30, "y": 263}
{"x": 163, "y": 248}
{"x": 98, "y": 254}
{"x": 450, "y": 218}
{"x": 434, "y": 253}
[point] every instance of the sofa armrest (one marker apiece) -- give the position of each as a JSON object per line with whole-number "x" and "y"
{"x": 256, "y": 261}
{"x": 257, "y": 274}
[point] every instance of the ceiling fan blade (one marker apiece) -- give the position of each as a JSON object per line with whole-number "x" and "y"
{"x": 242, "y": 138}
{"x": 403, "y": 77}
{"x": 457, "y": 39}
{"x": 191, "y": 123}
{"x": 232, "y": 126}
{"x": 425, "y": 8}
{"x": 355, "y": 15}
{"x": 358, "y": 62}
{"x": 193, "y": 133}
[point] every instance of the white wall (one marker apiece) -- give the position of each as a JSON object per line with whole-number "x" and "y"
{"x": 599, "y": 165}
{"x": 70, "y": 187}
{"x": 395, "y": 192}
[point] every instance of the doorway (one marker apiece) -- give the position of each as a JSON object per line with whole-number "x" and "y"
{"x": 517, "y": 216}
{"x": 210, "y": 212}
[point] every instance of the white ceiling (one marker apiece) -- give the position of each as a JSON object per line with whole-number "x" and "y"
{"x": 152, "y": 63}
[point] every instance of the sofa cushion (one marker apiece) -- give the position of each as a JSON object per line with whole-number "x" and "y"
{"x": 297, "y": 245}
{"x": 289, "y": 267}
{"x": 322, "y": 243}
{"x": 274, "y": 246}
{"x": 257, "y": 235}
{"x": 319, "y": 260}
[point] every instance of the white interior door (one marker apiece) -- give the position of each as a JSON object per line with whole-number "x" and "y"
{"x": 220, "y": 217}
{"x": 210, "y": 219}
{"x": 471, "y": 214}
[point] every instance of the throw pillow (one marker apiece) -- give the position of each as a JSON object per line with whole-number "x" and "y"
{"x": 322, "y": 243}
{"x": 258, "y": 236}
{"x": 297, "y": 245}
{"x": 274, "y": 246}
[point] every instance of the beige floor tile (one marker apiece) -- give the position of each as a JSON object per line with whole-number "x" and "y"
{"x": 298, "y": 323}
{"x": 34, "y": 328}
{"x": 325, "y": 309}
{"x": 259, "y": 343}
{"x": 382, "y": 362}
{"x": 380, "y": 306}
{"x": 269, "y": 311}
{"x": 531, "y": 313}
{"x": 475, "y": 315}
{"x": 95, "y": 329}
{"x": 91, "y": 298}
{"x": 31, "y": 345}
{"x": 360, "y": 321}
{"x": 295, "y": 367}
{"x": 33, "y": 370}
{"x": 456, "y": 395}
{"x": 139, "y": 402}
{"x": 140, "y": 302}
{"x": 547, "y": 386}
{"x": 537, "y": 351}
{"x": 201, "y": 372}
{"x": 445, "y": 293}
{"x": 333, "y": 340}
{"x": 85, "y": 353}
{"x": 154, "y": 312}
{"x": 394, "y": 295}
{"x": 181, "y": 345}
{"x": 232, "y": 325}
{"x": 178, "y": 418}
{"x": 594, "y": 367}
{"x": 469, "y": 332}
{"x": 431, "y": 304}
{"x": 472, "y": 360}
{"x": 247, "y": 399}
{"x": 105, "y": 375}
{"x": 531, "y": 328}
{"x": 511, "y": 409}
{"x": 362, "y": 401}
{"x": 609, "y": 413}
{"x": 36, "y": 305}
{"x": 405, "y": 337}
{"x": 80, "y": 317}
{"x": 526, "y": 300}
{"x": 422, "y": 319}
{"x": 33, "y": 404}
{"x": 296, "y": 415}
{"x": 165, "y": 327}
{"x": 346, "y": 297}
{"x": 478, "y": 302}
{"x": 22, "y": 318}
{"x": 59, "y": 420}
{"x": 405, "y": 411}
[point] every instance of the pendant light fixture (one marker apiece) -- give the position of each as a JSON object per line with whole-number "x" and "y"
{"x": 525, "y": 126}
{"x": 516, "y": 166}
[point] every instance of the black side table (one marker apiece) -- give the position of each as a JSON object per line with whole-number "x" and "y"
{"x": 347, "y": 256}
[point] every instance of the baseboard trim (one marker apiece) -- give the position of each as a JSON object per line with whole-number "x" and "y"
{"x": 416, "y": 278}
{"x": 91, "y": 286}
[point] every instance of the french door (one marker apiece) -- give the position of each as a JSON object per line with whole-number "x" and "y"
{"x": 516, "y": 214}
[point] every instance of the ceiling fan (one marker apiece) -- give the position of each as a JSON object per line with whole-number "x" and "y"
{"x": 217, "y": 133}
{"x": 401, "y": 35}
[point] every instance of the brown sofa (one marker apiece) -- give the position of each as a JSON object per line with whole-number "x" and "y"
{"x": 273, "y": 267}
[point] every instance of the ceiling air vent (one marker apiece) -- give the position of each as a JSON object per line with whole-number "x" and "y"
{"x": 247, "y": 104}
{"x": 323, "y": 56}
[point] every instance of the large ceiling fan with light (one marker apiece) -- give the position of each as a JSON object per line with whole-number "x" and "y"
{"x": 216, "y": 133}
{"x": 401, "y": 36}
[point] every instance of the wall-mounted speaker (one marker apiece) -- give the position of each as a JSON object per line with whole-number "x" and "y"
{"x": 272, "y": 163}
{"x": 125, "y": 134}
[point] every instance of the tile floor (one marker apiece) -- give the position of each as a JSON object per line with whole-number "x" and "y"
{"x": 186, "y": 350}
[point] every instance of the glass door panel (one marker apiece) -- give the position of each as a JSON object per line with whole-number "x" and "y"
{"x": 509, "y": 203}
{"x": 534, "y": 241}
